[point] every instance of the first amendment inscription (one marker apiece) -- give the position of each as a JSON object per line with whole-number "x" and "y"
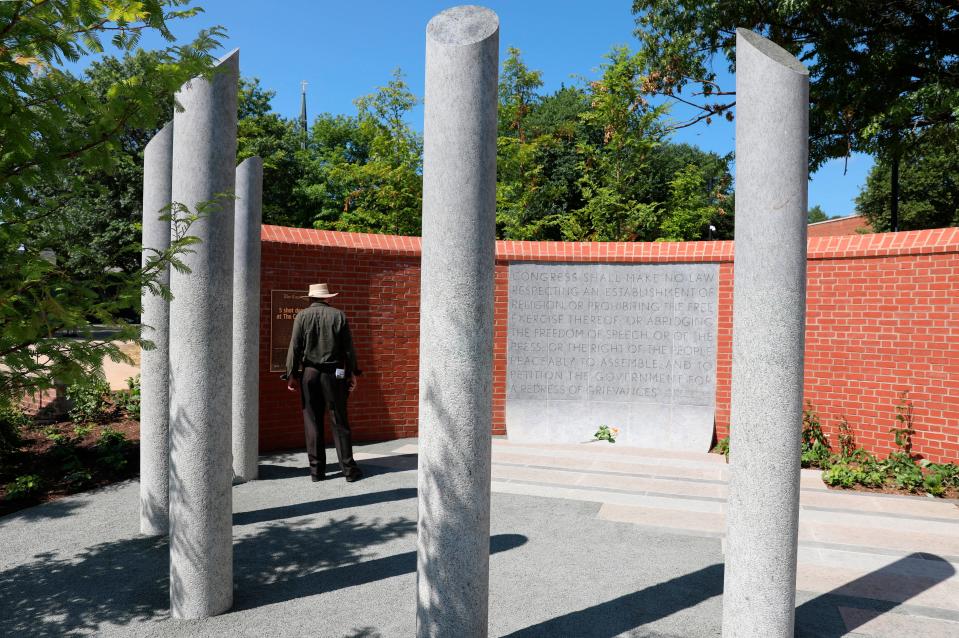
{"x": 631, "y": 346}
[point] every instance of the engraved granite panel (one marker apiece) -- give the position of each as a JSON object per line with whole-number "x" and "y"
{"x": 612, "y": 344}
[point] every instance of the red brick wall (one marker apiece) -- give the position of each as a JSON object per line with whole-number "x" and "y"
{"x": 841, "y": 226}
{"x": 378, "y": 279}
{"x": 882, "y": 317}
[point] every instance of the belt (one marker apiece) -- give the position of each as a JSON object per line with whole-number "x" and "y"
{"x": 323, "y": 367}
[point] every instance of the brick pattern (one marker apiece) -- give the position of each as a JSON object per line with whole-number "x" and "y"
{"x": 882, "y": 317}
{"x": 379, "y": 291}
{"x": 843, "y": 226}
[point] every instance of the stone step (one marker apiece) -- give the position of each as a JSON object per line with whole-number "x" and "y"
{"x": 881, "y": 503}
{"x": 588, "y": 457}
{"x": 920, "y": 591}
{"x": 690, "y": 505}
{"x": 613, "y": 449}
{"x": 811, "y": 499}
{"x": 875, "y": 624}
{"x": 863, "y": 537}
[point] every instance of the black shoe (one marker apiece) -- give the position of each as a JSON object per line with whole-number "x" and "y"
{"x": 355, "y": 476}
{"x": 315, "y": 478}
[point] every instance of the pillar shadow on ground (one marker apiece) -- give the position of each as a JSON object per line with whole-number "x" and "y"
{"x": 311, "y": 568}
{"x": 626, "y": 613}
{"x": 126, "y": 582}
{"x": 820, "y": 617}
{"x": 388, "y": 464}
{"x": 816, "y": 618}
{"x": 325, "y": 505}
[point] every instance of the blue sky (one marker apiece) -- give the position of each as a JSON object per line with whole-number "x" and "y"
{"x": 345, "y": 49}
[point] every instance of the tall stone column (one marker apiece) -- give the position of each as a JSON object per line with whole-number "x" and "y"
{"x": 456, "y": 322}
{"x": 155, "y": 363}
{"x": 769, "y": 311}
{"x": 201, "y": 343}
{"x": 246, "y": 318}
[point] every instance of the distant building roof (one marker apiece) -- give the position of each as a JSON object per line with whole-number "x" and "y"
{"x": 849, "y": 225}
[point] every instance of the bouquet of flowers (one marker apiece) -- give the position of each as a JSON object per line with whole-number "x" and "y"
{"x": 606, "y": 433}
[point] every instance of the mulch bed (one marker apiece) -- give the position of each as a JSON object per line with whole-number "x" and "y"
{"x": 53, "y": 463}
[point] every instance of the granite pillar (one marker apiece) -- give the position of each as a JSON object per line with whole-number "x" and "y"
{"x": 456, "y": 322}
{"x": 201, "y": 343}
{"x": 155, "y": 322}
{"x": 769, "y": 310}
{"x": 246, "y": 318}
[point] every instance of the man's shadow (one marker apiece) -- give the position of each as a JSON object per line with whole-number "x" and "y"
{"x": 371, "y": 467}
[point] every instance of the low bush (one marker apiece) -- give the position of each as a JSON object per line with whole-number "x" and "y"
{"x": 853, "y": 466}
{"x": 815, "y": 445}
{"x": 12, "y": 422}
{"x": 129, "y": 400}
{"x": 113, "y": 447}
{"x": 23, "y": 487}
{"x": 722, "y": 447}
{"x": 90, "y": 398}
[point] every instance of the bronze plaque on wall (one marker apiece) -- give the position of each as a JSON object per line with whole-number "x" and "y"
{"x": 284, "y": 304}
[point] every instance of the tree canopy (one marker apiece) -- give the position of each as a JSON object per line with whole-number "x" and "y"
{"x": 929, "y": 185}
{"x": 879, "y": 70}
{"x": 594, "y": 163}
{"x": 64, "y": 141}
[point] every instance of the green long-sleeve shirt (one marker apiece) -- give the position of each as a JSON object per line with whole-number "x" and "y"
{"x": 321, "y": 335}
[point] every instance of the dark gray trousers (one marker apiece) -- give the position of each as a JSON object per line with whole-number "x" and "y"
{"x": 321, "y": 390}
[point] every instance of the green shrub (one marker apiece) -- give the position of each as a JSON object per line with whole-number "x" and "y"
{"x": 905, "y": 428}
{"x": 129, "y": 400}
{"x": 906, "y": 474}
{"x": 78, "y": 478}
{"x": 12, "y": 421}
{"x": 842, "y": 474}
{"x": 939, "y": 477}
{"x": 90, "y": 399}
{"x": 815, "y": 446}
{"x": 722, "y": 447}
{"x": 82, "y": 430}
{"x": 112, "y": 448}
{"x": 26, "y": 486}
{"x": 847, "y": 441}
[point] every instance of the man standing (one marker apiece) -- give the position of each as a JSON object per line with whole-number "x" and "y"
{"x": 322, "y": 344}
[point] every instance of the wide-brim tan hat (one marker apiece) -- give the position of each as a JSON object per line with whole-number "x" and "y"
{"x": 319, "y": 291}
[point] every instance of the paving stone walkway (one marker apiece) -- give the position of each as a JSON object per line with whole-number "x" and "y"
{"x": 899, "y": 553}
{"x": 589, "y": 540}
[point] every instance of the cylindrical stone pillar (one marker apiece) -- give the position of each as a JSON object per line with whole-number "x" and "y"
{"x": 201, "y": 344}
{"x": 246, "y": 318}
{"x": 155, "y": 322}
{"x": 769, "y": 312}
{"x": 456, "y": 322}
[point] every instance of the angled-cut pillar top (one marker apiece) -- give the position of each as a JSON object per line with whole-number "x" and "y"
{"x": 463, "y": 25}
{"x": 776, "y": 54}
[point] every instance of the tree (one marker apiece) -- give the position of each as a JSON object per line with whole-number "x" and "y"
{"x": 568, "y": 162}
{"x": 624, "y": 129}
{"x": 816, "y": 214}
{"x": 381, "y": 189}
{"x": 276, "y": 140}
{"x": 55, "y": 131}
{"x": 929, "y": 185}
{"x": 527, "y": 150}
{"x": 99, "y": 205}
{"x": 705, "y": 179}
{"x": 881, "y": 72}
